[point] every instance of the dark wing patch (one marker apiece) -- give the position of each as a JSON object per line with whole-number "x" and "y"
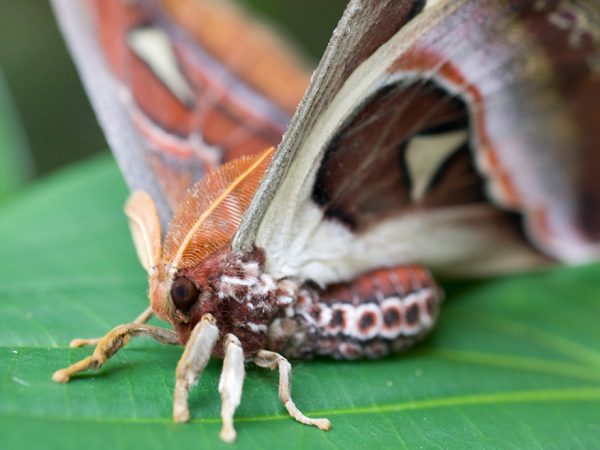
{"x": 380, "y": 163}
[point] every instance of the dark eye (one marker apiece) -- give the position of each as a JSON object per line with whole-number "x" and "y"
{"x": 183, "y": 293}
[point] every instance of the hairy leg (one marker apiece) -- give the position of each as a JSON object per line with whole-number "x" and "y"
{"x": 191, "y": 364}
{"x": 272, "y": 360}
{"x": 111, "y": 344}
{"x": 231, "y": 384}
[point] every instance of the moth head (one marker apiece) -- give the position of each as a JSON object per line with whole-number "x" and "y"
{"x": 186, "y": 281}
{"x": 176, "y": 296}
{"x": 178, "y": 279}
{"x": 175, "y": 288}
{"x": 184, "y": 270}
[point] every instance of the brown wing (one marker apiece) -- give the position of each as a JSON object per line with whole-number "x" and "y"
{"x": 181, "y": 86}
{"x": 474, "y": 116}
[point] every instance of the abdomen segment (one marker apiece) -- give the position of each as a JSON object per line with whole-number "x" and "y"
{"x": 378, "y": 313}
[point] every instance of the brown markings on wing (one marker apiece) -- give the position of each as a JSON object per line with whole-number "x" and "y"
{"x": 537, "y": 63}
{"x": 151, "y": 96}
{"x": 245, "y": 46}
{"x": 224, "y": 121}
{"x": 420, "y": 59}
{"x": 187, "y": 137}
{"x": 456, "y": 182}
{"x": 152, "y": 103}
{"x": 364, "y": 177}
{"x": 545, "y": 165}
{"x": 113, "y": 20}
{"x": 158, "y": 103}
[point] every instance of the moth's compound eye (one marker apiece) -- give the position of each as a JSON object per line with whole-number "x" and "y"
{"x": 184, "y": 293}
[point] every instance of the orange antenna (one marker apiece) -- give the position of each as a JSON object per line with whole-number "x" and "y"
{"x": 212, "y": 210}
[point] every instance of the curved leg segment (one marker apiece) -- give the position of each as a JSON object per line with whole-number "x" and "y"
{"x": 272, "y": 360}
{"x": 111, "y": 344}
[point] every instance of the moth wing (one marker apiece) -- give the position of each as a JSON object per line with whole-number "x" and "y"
{"x": 465, "y": 120}
{"x": 180, "y": 87}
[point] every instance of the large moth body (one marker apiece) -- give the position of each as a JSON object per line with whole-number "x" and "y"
{"x": 379, "y": 313}
{"x": 195, "y": 273}
{"x": 457, "y": 136}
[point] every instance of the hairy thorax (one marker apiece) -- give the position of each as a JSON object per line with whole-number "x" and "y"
{"x": 236, "y": 292}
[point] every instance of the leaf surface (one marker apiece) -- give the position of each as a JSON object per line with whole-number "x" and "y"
{"x": 514, "y": 362}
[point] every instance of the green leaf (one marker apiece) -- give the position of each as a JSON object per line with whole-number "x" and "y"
{"x": 15, "y": 162}
{"x": 514, "y": 363}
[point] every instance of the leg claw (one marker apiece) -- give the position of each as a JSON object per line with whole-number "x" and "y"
{"x": 181, "y": 415}
{"x": 61, "y": 376}
{"x": 228, "y": 435}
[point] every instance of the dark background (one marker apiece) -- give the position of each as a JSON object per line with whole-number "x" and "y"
{"x": 54, "y": 112}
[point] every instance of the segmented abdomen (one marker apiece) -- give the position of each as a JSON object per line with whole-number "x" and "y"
{"x": 380, "y": 312}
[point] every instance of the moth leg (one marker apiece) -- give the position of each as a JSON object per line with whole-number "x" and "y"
{"x": 111, "y": 344}
{"x": 81, "y": 342}
{"x": 230, "y": 385}
{"x": 191, "y": 364}
{"x": 272, "y": 360}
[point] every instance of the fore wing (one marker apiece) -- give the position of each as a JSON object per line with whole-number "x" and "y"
{"x": 181, "y": 86}
{"x": 452, "y": 136}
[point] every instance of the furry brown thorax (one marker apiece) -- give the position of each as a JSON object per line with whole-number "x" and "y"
{"x": 229, "y": 286}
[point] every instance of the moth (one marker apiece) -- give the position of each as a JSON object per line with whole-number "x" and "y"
{"x": 447, "y": 137}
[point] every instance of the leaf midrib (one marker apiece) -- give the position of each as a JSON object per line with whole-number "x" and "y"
{"x": 581, "y": 394}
